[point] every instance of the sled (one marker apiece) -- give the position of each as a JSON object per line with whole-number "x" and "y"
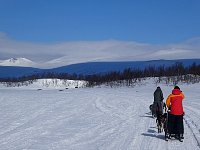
{"x": 171, "y": 136}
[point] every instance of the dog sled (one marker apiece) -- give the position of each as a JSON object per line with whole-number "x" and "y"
{"x": 163, "y": 123}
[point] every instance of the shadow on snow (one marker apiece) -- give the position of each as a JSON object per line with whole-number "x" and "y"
{"x": 151, "y": 132}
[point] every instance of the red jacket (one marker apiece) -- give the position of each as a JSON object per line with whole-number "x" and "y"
{"x": 174, "y": 101}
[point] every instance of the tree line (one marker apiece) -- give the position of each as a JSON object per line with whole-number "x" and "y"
{"x": 174, "y": 74}
{"x": 171, "y": 74}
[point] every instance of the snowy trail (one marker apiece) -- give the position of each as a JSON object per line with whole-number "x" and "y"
{"x": 90, "y": 119}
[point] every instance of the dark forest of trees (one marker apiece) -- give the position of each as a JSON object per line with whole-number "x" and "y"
{"x": 174, "y": 74}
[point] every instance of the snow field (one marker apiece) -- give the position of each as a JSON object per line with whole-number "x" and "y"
{"x": 91, "y": 119}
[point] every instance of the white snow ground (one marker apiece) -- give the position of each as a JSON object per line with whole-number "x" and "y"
{"x": 91, "y": 119}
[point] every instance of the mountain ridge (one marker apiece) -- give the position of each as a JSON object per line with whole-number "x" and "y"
{"x": 89, "y": 68}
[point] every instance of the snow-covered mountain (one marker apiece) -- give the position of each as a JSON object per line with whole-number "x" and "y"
{"x": 17, "y": 62}
{"x": 104, "y": 67}
{"x": 91, "y": 67}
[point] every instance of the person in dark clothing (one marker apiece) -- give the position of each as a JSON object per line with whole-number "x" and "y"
{"x": 175, "y": 117}
{"x": 158, "y": 102}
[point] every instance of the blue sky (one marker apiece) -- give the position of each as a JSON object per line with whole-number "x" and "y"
{"x": 145, "y": 21}
{"x": 61, "y": 32}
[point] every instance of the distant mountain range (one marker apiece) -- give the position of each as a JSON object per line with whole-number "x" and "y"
{"x": 84, "y": 68}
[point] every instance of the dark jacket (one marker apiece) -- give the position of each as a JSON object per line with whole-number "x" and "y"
{"x": 158, "y": 101}
{"x": 158, "y": 95}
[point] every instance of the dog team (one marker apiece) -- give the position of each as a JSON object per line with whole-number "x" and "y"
{"x": 169, "y": 114}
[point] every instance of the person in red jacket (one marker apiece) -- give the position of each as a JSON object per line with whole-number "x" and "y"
{"x": 175, "y": 117}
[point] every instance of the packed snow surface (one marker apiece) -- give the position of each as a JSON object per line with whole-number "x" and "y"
{"x": 100, "y": 118}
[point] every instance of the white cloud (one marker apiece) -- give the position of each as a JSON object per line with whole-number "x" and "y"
{"x": 57, "y": 54}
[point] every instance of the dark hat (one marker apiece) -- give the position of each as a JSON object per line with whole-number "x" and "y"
{"x": 176, "y": 87}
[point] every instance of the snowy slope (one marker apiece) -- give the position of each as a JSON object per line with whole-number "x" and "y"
{"x": 47, "y": 84}
{"x": 57, "y": 83}
{"x": 91, "y": 119}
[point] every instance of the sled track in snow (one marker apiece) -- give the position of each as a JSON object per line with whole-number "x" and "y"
{"x": 132, "y": 122}
{"x": 192, "y": 131}
{"x": 189, "y": 121}
{"x": 121, "y": 133}
{"x": 88, "y": 119}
